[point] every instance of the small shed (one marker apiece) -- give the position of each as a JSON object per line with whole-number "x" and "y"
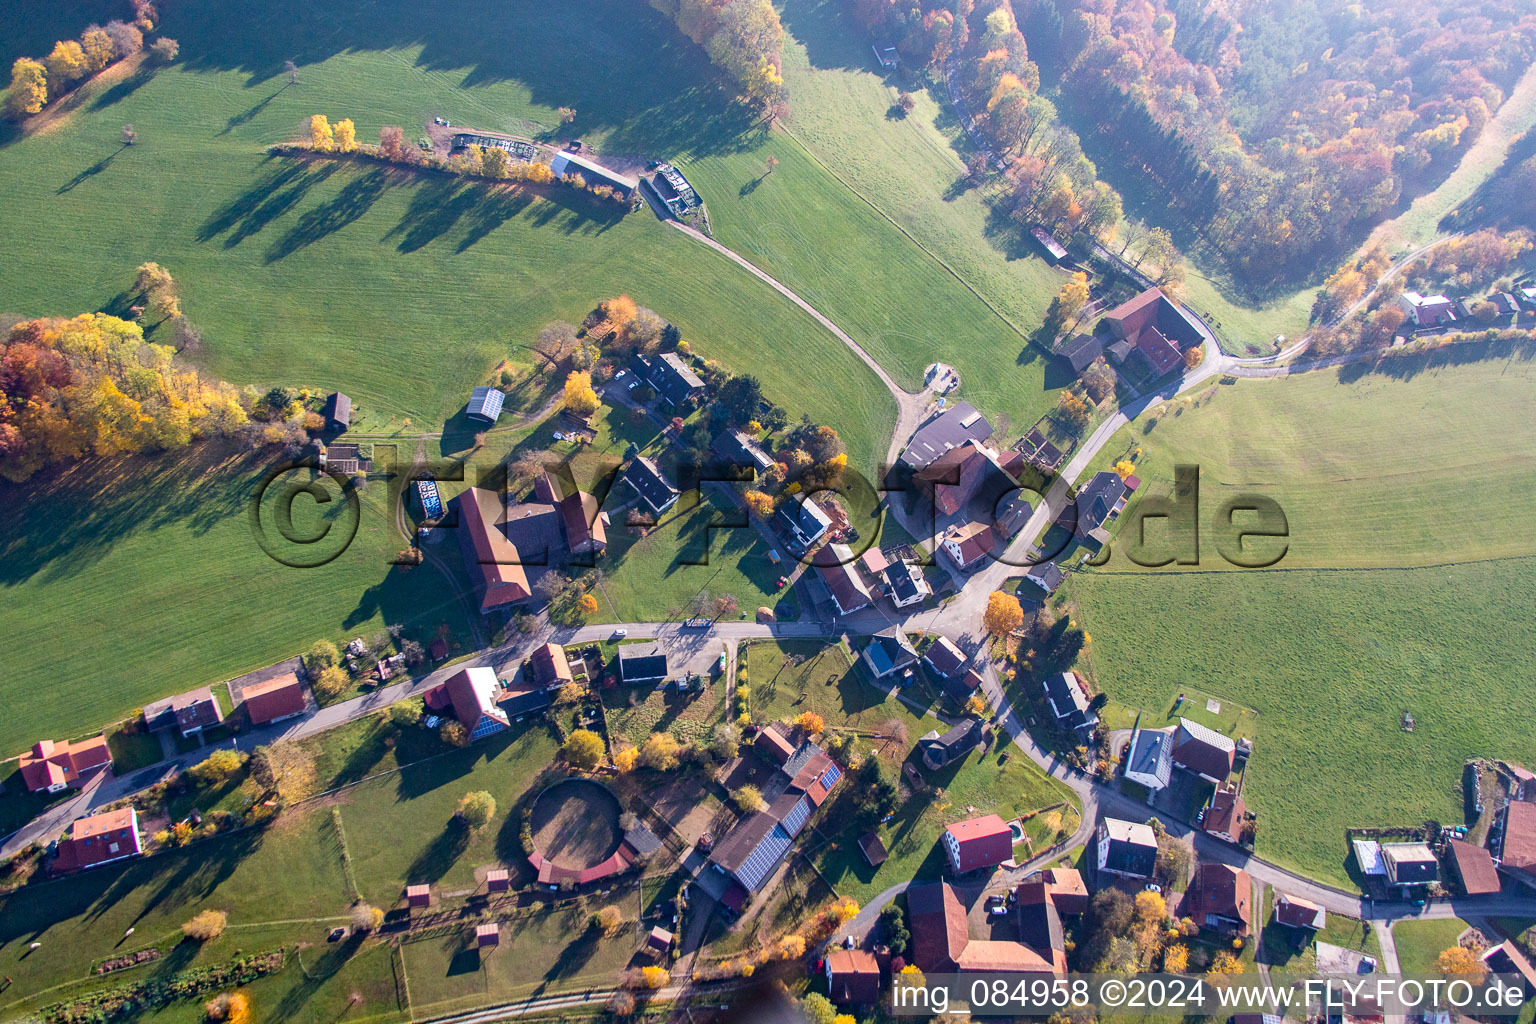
{"x": 338, "y": 411}
{"x": 418, "y": 895}
{"x": 487, "y": 935}
{"x": 658, "y": 942}
{"x": 873, "y": 849}
{"x": 496, "y": 880}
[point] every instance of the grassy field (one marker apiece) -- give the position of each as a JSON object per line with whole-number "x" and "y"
{"x": 1421, "y": 464}
{"x": 1419, "y": 943}
{"x": 1331, "y": 661}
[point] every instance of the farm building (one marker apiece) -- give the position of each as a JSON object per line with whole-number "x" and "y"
{"x": 756, "y": 846}
{"x": 1055, "y": 252}
{"x": 488, "y": 554}
{"x": 1203, "y": 751}
{"x": 484, "y": 404}
{"x": 853, "y": 977}
{"x": 1157, "y": 327}
{"x": 976, "y": 844}
{"x": 950, "y": 429}
{"x": 675, "y": 190}
{"x": 520, "y": 148}
{"x": 593, "y": 173}
{"x": 1079, "y": 351}
{"x": 338, "y": 412}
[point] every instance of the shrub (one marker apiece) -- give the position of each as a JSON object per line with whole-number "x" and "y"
{"x": 332, "y": 682}
{"x": 454, "y": 734}
{"x": 607, "y": 920}
{"x": 477, "y": 809}
{"x": 217, "y": 767}
{"x": 584, "y": 749}
{"x": 405, "y": 713}
{"x": 206, "y": 926}
{"x": 748, "y": 799}
{"x": 324, "y": 654}
{"x": 366, "y": 917}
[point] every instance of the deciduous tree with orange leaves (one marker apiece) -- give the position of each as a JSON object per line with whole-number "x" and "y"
{"x": 1004, "y": 614}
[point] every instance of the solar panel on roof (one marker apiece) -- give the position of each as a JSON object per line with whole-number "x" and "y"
{"x": 795, "y": 820}
{"x": 764, "y": 858}
{"x": 830, "y": 776}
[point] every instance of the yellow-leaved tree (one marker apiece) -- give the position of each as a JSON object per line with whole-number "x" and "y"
{"x": 345, "y": 135}
{"x": 579, "y": 396}
{"x": 1004, "y": 614}
{"x": 29, "y": 87}
{"x": 66, "y": 63}
{"x": 321, "y": 136}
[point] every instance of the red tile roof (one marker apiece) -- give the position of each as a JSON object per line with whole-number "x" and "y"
{"x": 983, "y": 842}
{"x": 938, "y": 926}
{"x": 488, "y": 551}
{"x": 853, "y": 976}
{"x": 276, "y": 698}
{"x": 551, "y": 668}
{"x": 51, "y": 763}
{"x": 1519, "y": 850}
{"x": 1221, "y": 890}
{"x": 98, "y": 839}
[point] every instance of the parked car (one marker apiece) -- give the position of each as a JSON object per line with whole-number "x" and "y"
{"x": 620, "y": 634}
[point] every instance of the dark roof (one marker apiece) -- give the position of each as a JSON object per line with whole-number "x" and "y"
{"x": 672, "y": 378}
{"x": 949, "y": 429}
{"x": 485, "y": 403}
{"x": 873, "y": 849}
{"x": 1474, "y": 866}
{"x": 1038, "y": 918}
{"x": 338, "y": 409}
{"x": 757, "y": 844}
{"x": 1013, "y": 513}
{"x": 642, "y": 662}
{"x": 1098, "y": 499}
{"x": 645, "y": 477}
{"x": 1132, "y": 847}
{"x": 1068, "y": 701}
{"x": 802, "y": 521}
{"x": 523, "y": 701}
{"x": 958, "y": 740}
{"x": 944, "y": 657}
{"x": 961, "y": 687}
{"x": 533, "y": 528}
{"x": 1080, "y": 351}
{"x": 185, "y": 711}
{"x": 741, "y": 450}
{"x": 903, "y": 578}
{"x": 890, "y": 650}
{"x": 1047, "y": 576}
{"x": 1202, "y": 750}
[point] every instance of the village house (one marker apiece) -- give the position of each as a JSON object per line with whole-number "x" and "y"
{"x": 958, "y": 740}
{"x": 1224, "y": 816}
{"x": 774, "y": 745}
{"x": 582, "y": 521}
{"x": 471, "y": 694}
{"x": 1426, "y": 311}
{"x": 274, "y": 700}
{"x": 1099, "y": 502}
{"x": 1410, "y": 865}
{"x": 967, "y": 544}
{"x": 485, "y": 404}
{"x": 1012, "y": 514}
{"x": 1203, "y": 751}
{"x": 644, "y": 477}
{"x": 966, "y": 473}
{"x": 977, "y": 844}
{"x": 888, "y": 652}
{"x": 853, "y": 977}
{"x": 51, "y": 766}
{"x": 1125, "y": 849}
{"x": 1220, "y": 898}
{"x": 944, "y": 659}
{"x": 674, "y": 190}
{"x": 753, "y": 850}
{"x": 188, "y": 713}
{"x": 642, "y": 663}
{"x": 802, "y": 523}
{"x": 1295, "y": 912}
{"x": 741, "y": 451}
{"x": 551, "y": 668}
{"x": 1506, "y": 958}
{"x": 1149, "y": 762}
{"x": 1069, "y": 702}
{"x": 905, "y": 584}
{"x": 1045, "y": 578}
{"x": 950, "y": 429}
{"x": 842, "y": 580}
{"x": 99, "y": 839}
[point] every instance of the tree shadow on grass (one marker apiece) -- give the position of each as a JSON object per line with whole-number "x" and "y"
{"x": 438, "y": 856}
{"x": 249, "y": 114}
{"x": 250, "y": 212}
{"x": 124, "y": 89}
{"x": 356, "y": 198}
{"x": 90, "y": 172}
